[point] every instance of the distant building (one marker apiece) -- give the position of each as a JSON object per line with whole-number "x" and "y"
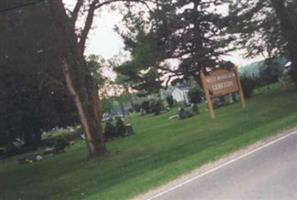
{"x": 178, "y": 92}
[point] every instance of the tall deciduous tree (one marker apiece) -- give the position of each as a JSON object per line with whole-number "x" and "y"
{"x": 84, "y": 91}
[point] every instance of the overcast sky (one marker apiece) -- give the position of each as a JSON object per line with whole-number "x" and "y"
{"x": 104, "y": 41}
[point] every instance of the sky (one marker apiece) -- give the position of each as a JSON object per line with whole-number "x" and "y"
{"x": 104, "y": 41}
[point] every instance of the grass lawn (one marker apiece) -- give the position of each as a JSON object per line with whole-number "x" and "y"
{"x": 160, "y": 151}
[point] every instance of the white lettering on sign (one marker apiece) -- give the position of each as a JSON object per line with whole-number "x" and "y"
{"x": 220, "y": 82}
{"x": 222, "y": 85}
{"x": 220, "y": 77}
{"x": 225, "y": 77}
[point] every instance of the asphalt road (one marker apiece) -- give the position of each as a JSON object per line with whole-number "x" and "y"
{"x": 270, "y": 173}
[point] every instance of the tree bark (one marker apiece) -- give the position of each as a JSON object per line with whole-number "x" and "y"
{"x": 88, "y": 24}
{"x": 84, "y": 92}
{"x": 289, "y": 30}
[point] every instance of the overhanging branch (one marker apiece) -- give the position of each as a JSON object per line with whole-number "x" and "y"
{"x": 75, "y": 12}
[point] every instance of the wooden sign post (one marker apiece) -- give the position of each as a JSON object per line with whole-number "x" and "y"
{"x": 221, "y": 82}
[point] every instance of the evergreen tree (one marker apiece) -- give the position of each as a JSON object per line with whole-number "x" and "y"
{"x": 191, "y": 31}
{"x": 266, "y": 27}
{"x": 199, "y": 35}
{"x": 33, "y": 95}
{"x": 141, "y": 71}
{"x": 257, "y": 28}
{"x": 286, "y": 12}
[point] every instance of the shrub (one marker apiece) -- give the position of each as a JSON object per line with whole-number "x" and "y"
{"x": 60, "y": 144}
{"x": 156, "y": 107}
{"x": 11, "y": 150}
{"x": 130, "y": 110}
{"x": 271, "y": 71}
{"x": 248, "y": 85}
{"x": 136, "y": 107}
{"x": 120, "y": 127}
{"x": 109, "y": 130}
{"x": 195, "y": 95}
{"x": 170, "y": 101}
{"x": 145, "y": 105}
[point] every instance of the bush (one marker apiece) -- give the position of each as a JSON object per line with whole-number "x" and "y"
{"x": 170, "y": 101}
{"x": 156, "y": 107}
{"x": 195, "y": 95}
{"x": 145, "y": 105}
{"x": 270, "y": 72}
{"x": 109, "y": 130}
{"x": 60, "y": 144}
{"x": 136, "y": 107}
{"x": 120, "y": 127}
{"x": 248, "y": 85}
{"x": 12, "y": 150}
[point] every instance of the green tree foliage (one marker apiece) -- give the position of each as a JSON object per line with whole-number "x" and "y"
{"x": 191, "y": 31}
{"x": 198, "y": 36}
{"x": 141, "y": 70}
{"x": 96, "y": 65}
{"x": 286, "y": 12}
{"x": 258, "y": 28}
{"x": 266, "y": 27}
{"x": 33, "y": 96}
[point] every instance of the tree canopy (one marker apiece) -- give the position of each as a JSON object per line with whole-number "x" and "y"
{"x": 266, "y": 27}
{"x": 193, "y": 32}
{"x": 33, "y": 95}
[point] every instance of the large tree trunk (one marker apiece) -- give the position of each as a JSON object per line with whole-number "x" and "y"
{"x": 83, "y": 91}
{"x": 89, "y": 118}
{"x": 289, "y": 30}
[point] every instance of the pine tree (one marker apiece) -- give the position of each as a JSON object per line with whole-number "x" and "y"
{"x": 266, "y": 27}
{"x": 193, "y": 32}
{"x": 257, "y": 28}
{"x": 199, "y": 36}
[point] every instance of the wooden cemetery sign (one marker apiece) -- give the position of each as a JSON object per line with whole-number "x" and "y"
{"x": 221, "y": 82}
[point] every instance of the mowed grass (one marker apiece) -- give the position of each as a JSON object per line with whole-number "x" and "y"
{"x": 160, "y": 151}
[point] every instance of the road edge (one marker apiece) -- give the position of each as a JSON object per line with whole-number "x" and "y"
{"x": 213, "y": 166}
